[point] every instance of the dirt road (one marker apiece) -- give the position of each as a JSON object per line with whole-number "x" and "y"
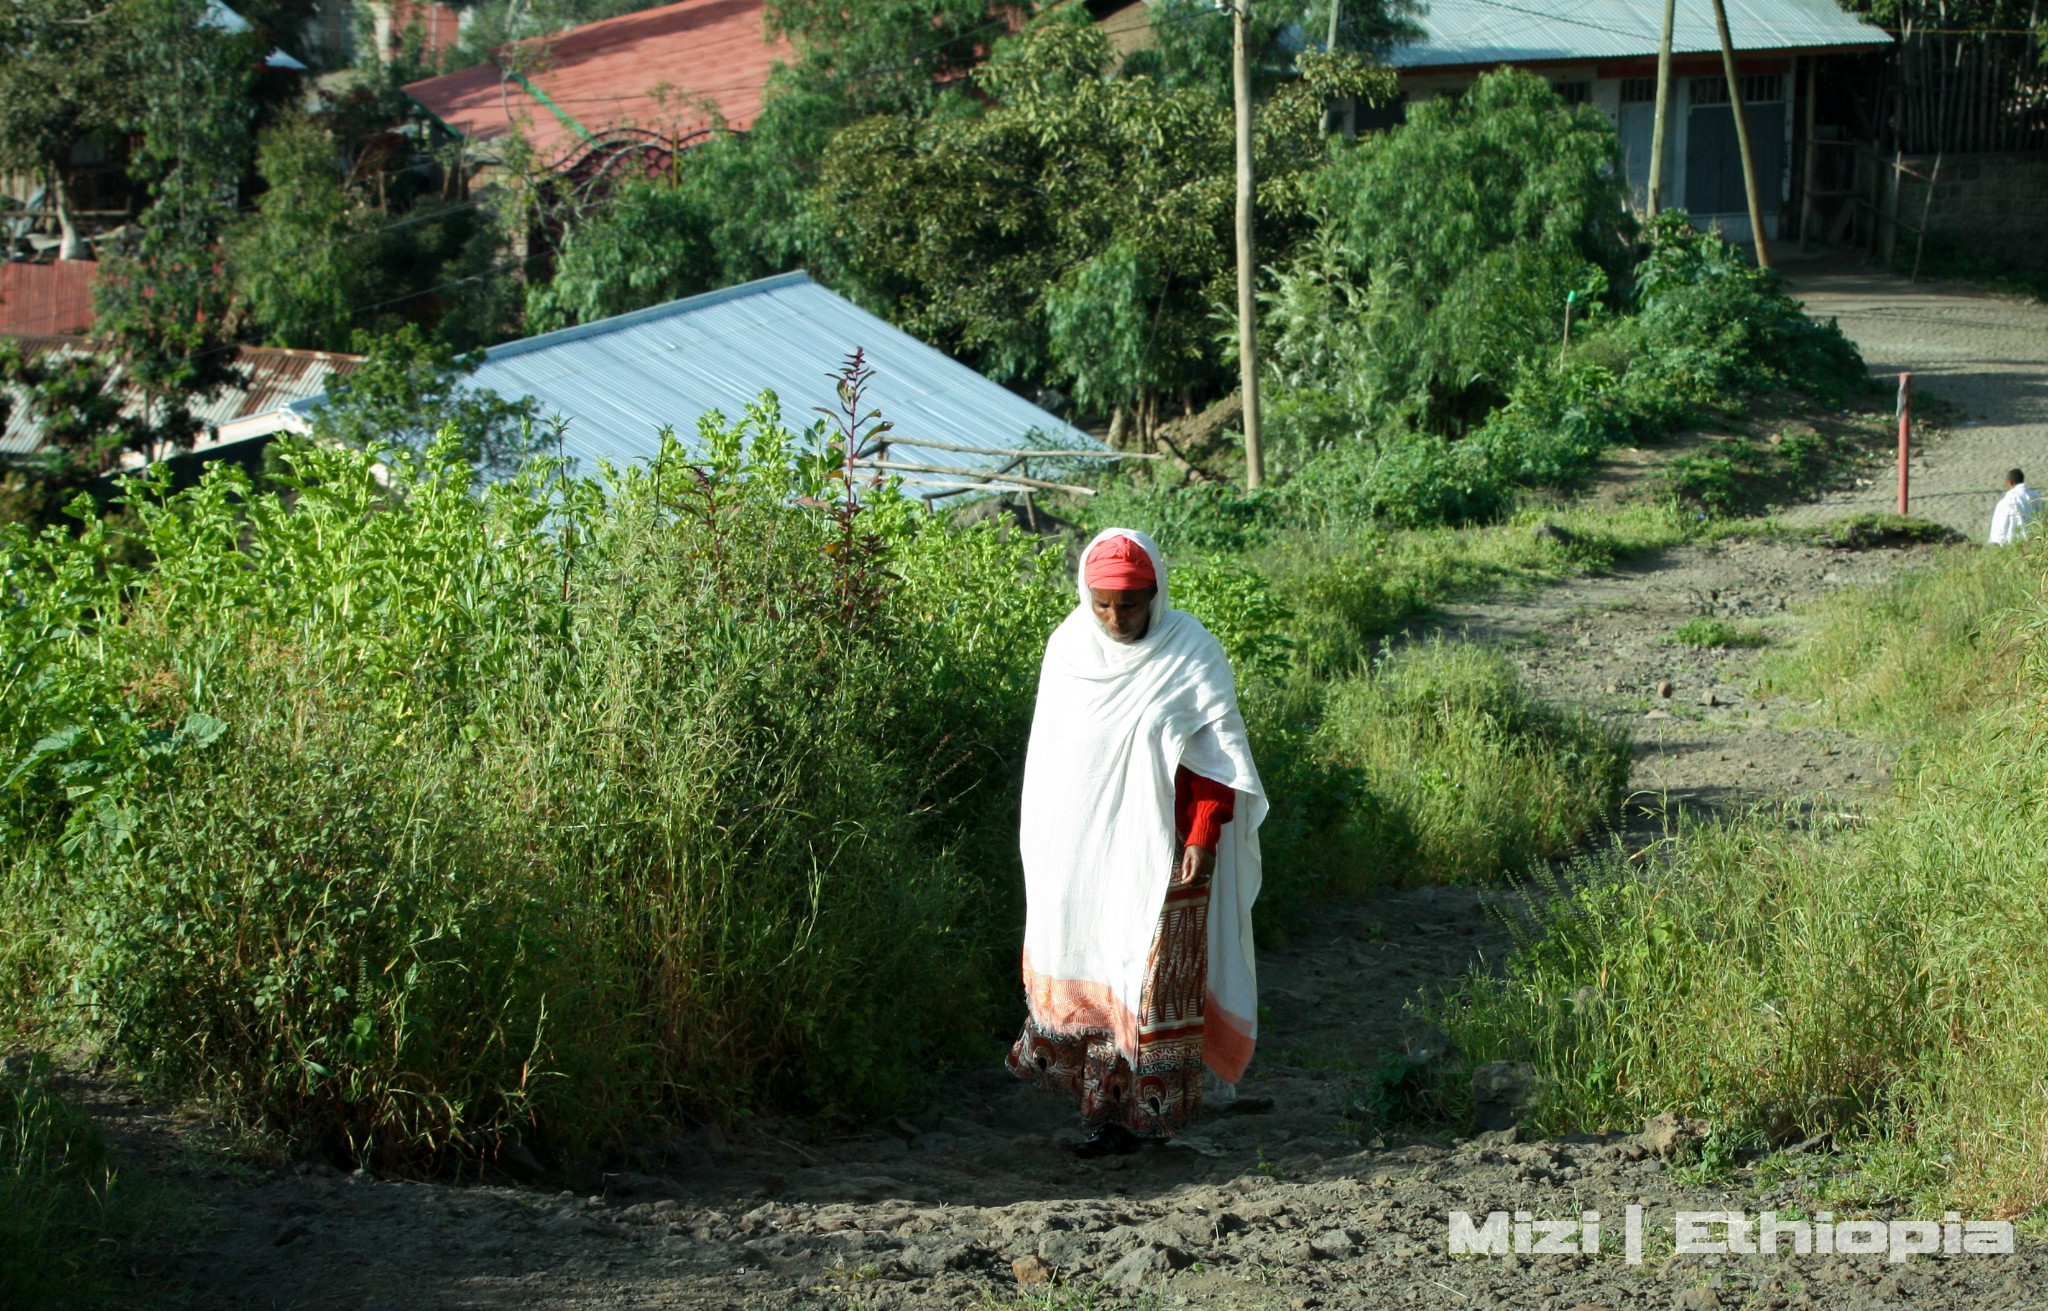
{"x": 1985, "y": 355}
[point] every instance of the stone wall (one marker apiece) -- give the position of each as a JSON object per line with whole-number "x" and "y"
{"x": 1995, "y": 203}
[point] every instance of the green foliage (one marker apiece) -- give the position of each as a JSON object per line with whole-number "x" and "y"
{"x": 1450, "y": 246}
{"x": 309, "y": 257}
{"x": 79, "y": 408}
{"x": 409, "y": 819}
{"x": 68, "y": 75}
{"x": 1876, "y": 975}
{"x": 1060, "y": 224}
{"x": 409, "y": 389}
{"x": 650, "y": 242}
{"x": 1203, "y": 518}
{"x": 1236, "y": 603}
{"x": 884, "y": 56}
{"x": 1709, "y": 324}
{"x": 162, "y": 310}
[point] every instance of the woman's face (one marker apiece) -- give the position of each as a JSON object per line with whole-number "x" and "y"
{"x": 1125, "y": 615}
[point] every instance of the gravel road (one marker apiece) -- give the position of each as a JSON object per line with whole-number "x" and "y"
{"x": 1985, "y": 355}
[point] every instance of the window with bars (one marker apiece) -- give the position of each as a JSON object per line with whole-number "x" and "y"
{"x": 1573, "y": 93}
{"x": 1638, "y": 90}
{"x": 1757, "y": 89}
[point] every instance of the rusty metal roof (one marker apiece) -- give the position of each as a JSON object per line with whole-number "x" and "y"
{"x": 673, "y": 70}
{"x": 276, "y": 378}
{"x": 1483, "y": 33}
{"x": 46, "y": 298}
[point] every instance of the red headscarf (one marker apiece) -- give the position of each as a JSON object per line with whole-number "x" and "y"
{"x": 1118, "y": 564}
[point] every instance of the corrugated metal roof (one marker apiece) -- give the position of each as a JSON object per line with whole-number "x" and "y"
{"x": 619, "y": 381}
{"x": 46, "y": 298}
{"x": 276, "y": 378}
{"x": 1489, "y": 32}
{"x": 655, "y": 70}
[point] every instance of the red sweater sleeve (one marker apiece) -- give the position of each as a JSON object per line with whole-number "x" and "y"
{"x": 1201, "y": 807}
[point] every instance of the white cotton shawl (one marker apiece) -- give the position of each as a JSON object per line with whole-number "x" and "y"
{"x": 1114, "y": 722}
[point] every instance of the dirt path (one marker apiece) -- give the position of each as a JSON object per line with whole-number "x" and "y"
{"x": 1290, "y": 1197}
{"x": 1704, "y": 737}
{"x": 1984, "y": 355}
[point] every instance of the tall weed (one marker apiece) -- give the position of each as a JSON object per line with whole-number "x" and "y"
{"x": 413, "y": 820}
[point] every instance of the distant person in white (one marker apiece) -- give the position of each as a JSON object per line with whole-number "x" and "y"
{"x": 2017, "y": 511}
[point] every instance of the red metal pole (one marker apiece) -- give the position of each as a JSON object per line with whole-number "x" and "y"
{"x": 1905, "y": 433}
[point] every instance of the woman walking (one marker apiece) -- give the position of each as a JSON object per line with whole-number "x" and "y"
{"x": 1141, "y": 858}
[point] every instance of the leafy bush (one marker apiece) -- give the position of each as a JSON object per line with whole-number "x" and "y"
{"x": 1448, "y": 248}
{"x": 1202, "y": 517}
{"x": 411, "y": 820}
{"x": 1709, "y": 324}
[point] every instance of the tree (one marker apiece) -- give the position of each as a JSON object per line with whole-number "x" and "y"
{"x": 409, "y": 388}
{"x": 649, "y": 243}
{"x": 886, "y": 56}
{"x": 80, "y": 412}
{"x": 164, "y": 310}
{"x": 310, "y": 256}
{"x": 67, "y": 74}
{"x": 1449, "y": 246}
{"x": 1061, "y": 225}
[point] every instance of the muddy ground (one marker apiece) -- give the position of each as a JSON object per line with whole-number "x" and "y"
{"x": 1290, "y": 1196}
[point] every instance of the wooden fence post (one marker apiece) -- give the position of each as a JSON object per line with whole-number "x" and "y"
{"x": 1905, "y": 433}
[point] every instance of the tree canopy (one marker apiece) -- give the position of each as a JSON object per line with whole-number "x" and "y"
{"x": 1059, "y": 223}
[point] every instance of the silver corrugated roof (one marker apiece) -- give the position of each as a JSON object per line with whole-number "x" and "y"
{"x": 1488, "y": 32}
{"x": 274, "y": 379}
{"x": 619, "y": 381}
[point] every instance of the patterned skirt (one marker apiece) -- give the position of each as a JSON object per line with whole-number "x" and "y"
{"x": 1163, "y": 1093}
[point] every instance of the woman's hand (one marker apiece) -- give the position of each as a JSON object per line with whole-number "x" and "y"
{"x": 1196, "y": 865}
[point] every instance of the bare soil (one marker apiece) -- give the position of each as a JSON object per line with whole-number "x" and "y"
{"x": 1287, "y": 1197}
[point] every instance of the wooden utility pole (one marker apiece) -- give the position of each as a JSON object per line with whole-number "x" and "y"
{"x": 1663, "y": 111}
{"x": 1247, "y": 266}
{"x": 1756, "y": 209}
{"x": 1330, "y": 48}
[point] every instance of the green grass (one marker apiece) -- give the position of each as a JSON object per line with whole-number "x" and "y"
{"x": 1352, "y": 590}
{"x": 1875, "y": 970}
{"x": 64, "y": 1209}
{"x": 1465, "y": 776}
{"x": 1920, "y": 655}
{"x": 1708, "y": 631}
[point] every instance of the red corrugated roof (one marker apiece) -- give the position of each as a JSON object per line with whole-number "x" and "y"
{"x": 655, "y": 70}
{"x": 46, "y": 297}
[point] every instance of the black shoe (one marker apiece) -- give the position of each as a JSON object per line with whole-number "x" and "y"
{"x": 1109, "y": 1140}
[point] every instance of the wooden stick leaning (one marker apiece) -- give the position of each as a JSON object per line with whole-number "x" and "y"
{"x": 1053, "y": 454}
{"x": 893, "y": 466}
